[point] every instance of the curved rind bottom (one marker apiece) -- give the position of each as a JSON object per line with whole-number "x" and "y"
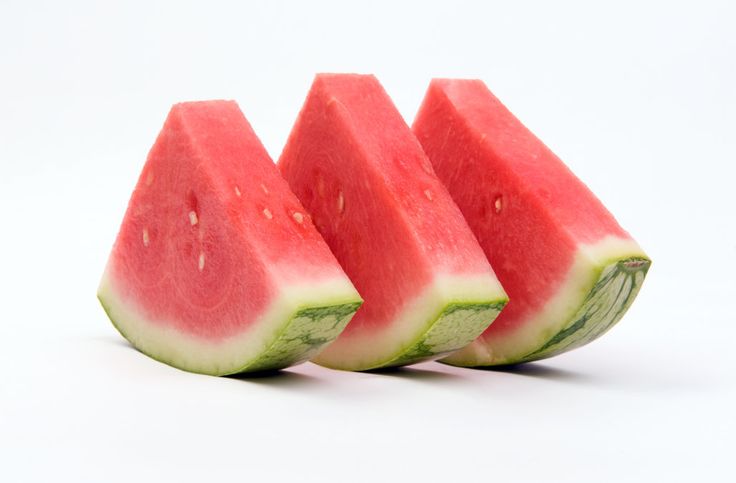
{"x": 304, "y": 336}
{"x": 615, "y": 289}
{"x": 448, "y": 313}
{"x": 456, "y": 326}
{"x": 292, "y": 331}
{"x": 608, "y": 301}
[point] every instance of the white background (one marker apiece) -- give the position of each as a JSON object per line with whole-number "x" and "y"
{"x": 638, "y": 98}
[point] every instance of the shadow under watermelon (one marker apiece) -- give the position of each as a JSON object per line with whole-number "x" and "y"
{"x": 535, "y": 369}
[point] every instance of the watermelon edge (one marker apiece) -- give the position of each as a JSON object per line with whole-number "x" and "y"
{"x": 297, "y": 325}
{"x": 590, "y": 308}
{"x": 434, "y": 343}
{"x": 427, "y": 329}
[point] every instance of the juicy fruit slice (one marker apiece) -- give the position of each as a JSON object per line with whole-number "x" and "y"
{"x": 217, "y": 268}
{"x": 357, "y": 168}
{"x": 570, "y": 270}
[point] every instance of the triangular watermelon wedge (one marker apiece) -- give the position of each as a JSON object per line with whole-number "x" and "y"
{"x": 570, "y": 270}
{"x": 217, "y": 267}
{"x": 355, "y": 165}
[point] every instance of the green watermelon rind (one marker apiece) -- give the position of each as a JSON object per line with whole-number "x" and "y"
{"x": 302, "y": 337}
{"x": 601, "y": 309}
{"x": 457, "y": 324}
{"x": 599, "y": 306}
{"x": 450, "y": 313}
{"x": 295, "y": 338}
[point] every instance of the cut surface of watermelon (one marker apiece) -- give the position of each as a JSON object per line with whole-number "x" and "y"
{"x": 570, "y": 270}
{"x": 217, "y": 268}
{"x": 359, "y": 171}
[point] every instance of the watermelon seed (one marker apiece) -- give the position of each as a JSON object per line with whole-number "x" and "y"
{"x": 498, "y": 204}
{"x": 149, "y": 178}
{"x": 340, "y": 202}
{"x": 193, "y": 218}
{"x": 237, "y": 191}
{"x": 263, "y": 187}
{"x": 201, "y": 261}
{"x": 428, "y": 194}
{"x": 298, "y": 217}
{"x": 145, "y": 237}
{"x": 267, "y": 213}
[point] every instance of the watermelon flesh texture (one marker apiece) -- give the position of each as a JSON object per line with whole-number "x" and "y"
{"x": 570, "y": 270}
{"x": 357, "y": 168}
{"x": 217, "y": 267}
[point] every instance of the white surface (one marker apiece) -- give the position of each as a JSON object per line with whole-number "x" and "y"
{"x": 638, "y": 98}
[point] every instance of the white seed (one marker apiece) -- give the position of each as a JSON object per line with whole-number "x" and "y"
{"x": 267, "y": 213}
{"x": 497, "y": 204}
{"x": 237, "y": 191}
{"x": 149, "y": 178}
{"x": 200, "y": 263}
{"x": 193, "y": 218}
{"x": 263, "y": 187}
{"x": 428, "y": 194}
{"x": 145, "y": 237}
{"x": 298, "y": 217}
{"x": 340, "y": 202}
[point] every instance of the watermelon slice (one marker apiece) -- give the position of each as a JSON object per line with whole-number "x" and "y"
{"x": 570, "y": 270}
{"x": 357, "y": 168}
{"x": 217, "y": 268}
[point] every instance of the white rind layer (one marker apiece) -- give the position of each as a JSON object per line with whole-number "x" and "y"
{"x": 161, "y": 340}
{"x": 371, "y": 348}
{"x": 513, "y": 346}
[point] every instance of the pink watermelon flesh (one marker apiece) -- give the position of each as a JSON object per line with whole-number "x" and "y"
{"x": 570, "y": 270}
{"x": 217, "y": 268}
{"x": 359, "y": 171}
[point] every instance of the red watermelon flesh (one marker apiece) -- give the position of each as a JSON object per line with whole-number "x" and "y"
{"x": 217, "y": 267}
{"x": 570, "y": 270}
{"x": 359, "y": 171}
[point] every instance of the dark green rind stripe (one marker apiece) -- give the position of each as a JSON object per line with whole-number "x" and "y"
{"x": 304, "y": 336}
{"x": 603, "y": 307}
{"x": 456, "y": 326}
{"x": 306, "y": 333}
